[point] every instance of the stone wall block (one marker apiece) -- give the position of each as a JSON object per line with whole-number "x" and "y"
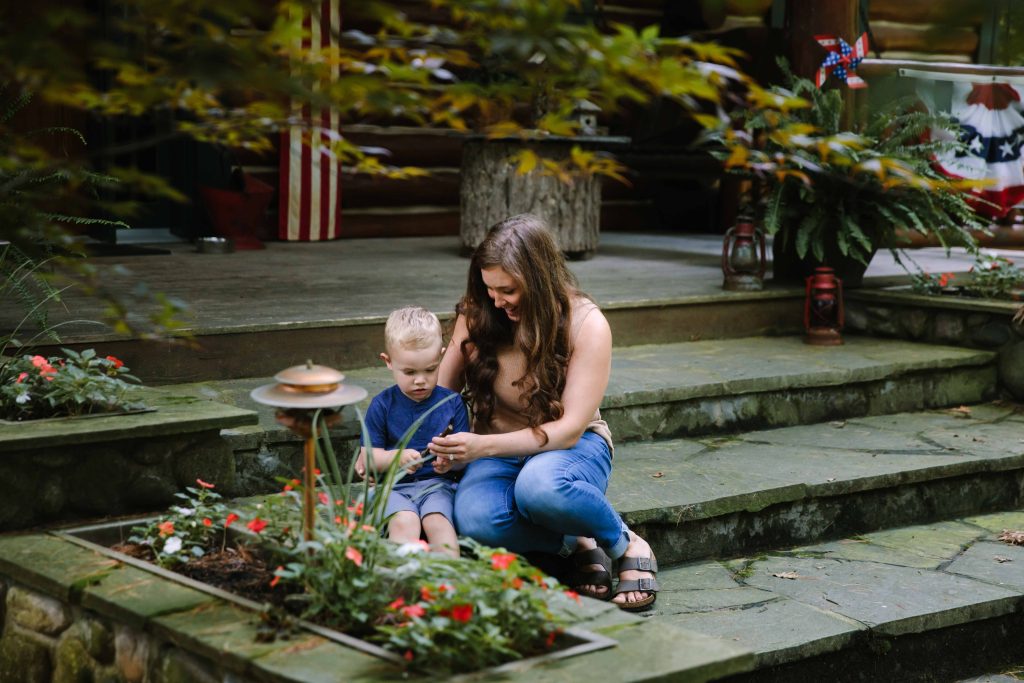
{"x": 24, "y": 659}
{"x": 150, "y": 489}
{"x": 883, "y": 321}
{"x": 856, "y": 317}
{"x": 914, "y": 322}
{"x": 991, "y": 335}
{"x": 949, "y": 327}
{"x": 131, "y": 654}
{"x": 1011, "y": 368}
{"x": 98, "y": 639}
{"x": 17, "y": 496}
{"x": 99, "y": 481}
{"x": 72, "y": 663}
{"x": 155, "y": 451}
{"x": 36, "y": 612}
{"x": 53, "y": 458}
{"x": 52, "y": 497}
{"x": 977, "y": 320}
{"x": 208, "y": 457}
{"x": 177, "y": 666}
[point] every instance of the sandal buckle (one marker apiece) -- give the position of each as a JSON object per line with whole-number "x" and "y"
{"x": 643, "y": 564}
{"x": 645, "y": 584}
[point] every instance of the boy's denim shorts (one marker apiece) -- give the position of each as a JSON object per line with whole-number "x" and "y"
{"x": 424, "y": 496}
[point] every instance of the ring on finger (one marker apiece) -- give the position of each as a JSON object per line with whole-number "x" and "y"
{"x": 451, "y": 457}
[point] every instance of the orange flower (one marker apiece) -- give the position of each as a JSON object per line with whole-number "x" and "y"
{"x": 337, "y": 519}
{"x": 945, "y": 278}
{"x": 573, "y": 595}
{"x": 48, "y": 371}
{"x": 517, "y": 583}
{"x": 367, "y": 527}
{"x": 204, "y": 484}
{"x": 207, "y": 521}
{"x": 356, "y": 509}
{"x": 257, "y": 525}
{"x": 396, "y": 603}
{"x": 462, "y": 613}
{"x": 425, "y": 594}
{"x": 414, "y": 611}
{"x": 39, "y": 361}
{"x": 167, "y": 528}
{"x": 502, "y": 560}
{"x": 354, "y": 555}
{"x": 118, "y": 363}
{"x": 231, "y": 519}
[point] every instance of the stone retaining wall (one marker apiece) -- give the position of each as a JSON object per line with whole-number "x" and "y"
{"x": 46, "y": 641}
{"x": 954, "y": 321}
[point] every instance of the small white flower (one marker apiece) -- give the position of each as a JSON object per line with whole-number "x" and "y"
{"x": 172, "y": 545}
{"x": 409, "y": 549}
{"x": 23, "y": 398}
{"x": 184, "y": 512}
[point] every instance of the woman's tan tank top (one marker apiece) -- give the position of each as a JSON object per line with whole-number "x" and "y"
{"x": 509, "y": 409}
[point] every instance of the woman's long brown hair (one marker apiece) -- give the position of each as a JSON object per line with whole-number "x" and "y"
{"x": 523, "y": 248}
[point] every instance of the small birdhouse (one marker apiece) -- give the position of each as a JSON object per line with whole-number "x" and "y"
{"x": 585, "y": 114}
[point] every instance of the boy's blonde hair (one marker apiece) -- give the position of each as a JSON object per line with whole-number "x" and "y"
{"x": 412, "y": 327}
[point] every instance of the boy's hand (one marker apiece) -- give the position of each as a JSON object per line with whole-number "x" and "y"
{"x": 408, "y": 456}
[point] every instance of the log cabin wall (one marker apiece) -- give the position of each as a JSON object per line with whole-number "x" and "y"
{"x": 673, "y": 188}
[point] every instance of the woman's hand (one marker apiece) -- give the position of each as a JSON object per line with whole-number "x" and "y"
{"x": 456, "y": 450}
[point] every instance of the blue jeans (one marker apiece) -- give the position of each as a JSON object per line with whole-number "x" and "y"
{"x": 542, "y": 503}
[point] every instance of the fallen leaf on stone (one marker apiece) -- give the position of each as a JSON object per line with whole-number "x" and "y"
{"x": 1012, "y": 537}
{"x": 657, "y": 475}
{"x": 960, "y": 411}
{"x": 838, "y": 424}
{"x": 787, "y": 575}
{"x": 1000, "y": 559}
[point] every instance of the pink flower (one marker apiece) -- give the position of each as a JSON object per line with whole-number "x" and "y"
{"x": 462, "y": 613}
{"x": 204, "y": 484}
{"x": 39, "y": 361}
{"x": 257, "y": 525}
{"x": 354, "y": 555}
{"x": 413, "y": 611}
{"x": 324, "y": 500}
{"x": 397, "y": 603}
{"x": 502, "y": 560}
{"x": 21, "y": 378}
{"x": 118, "y": 363}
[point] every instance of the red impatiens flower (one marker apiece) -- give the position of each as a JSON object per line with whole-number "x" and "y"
{"x": 21, "y": 378}
{"x": 277, "y": 578}
{"x": 573, "y": 595}
{"x": 354, "y": 555}
{"x": 396, "y": 603}
{"x": 413, "y": 611}
{"x": 48, "y": 371}
{"x": 356, "y": 509}
{"x": 39, "y": 361}
{"x": 517, "y": 583}
{"x": 462, "y": 613}
{"x": 118, "y": 363}
{"x": 425, "y": 594}
{"x": 502, "y": 560}
{"x": 207, "y": 521}
{"x": 550, "y": 641}
{"x": 257, "y": 525}
{"x": 205, "y": 485}
{"x": 167, "y": 528}
{"x": 945, "y": 278}
{"x": 231, "y": 519}
{"x": 324, "y": 500}
{"x": 408, "y": 655}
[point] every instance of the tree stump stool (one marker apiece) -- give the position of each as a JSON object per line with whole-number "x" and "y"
{"x": 492, "y": 190}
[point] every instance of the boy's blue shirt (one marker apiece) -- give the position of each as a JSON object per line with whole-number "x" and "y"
{"x": 391, "y": 413}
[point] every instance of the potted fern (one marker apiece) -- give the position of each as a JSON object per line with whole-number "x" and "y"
{"x": 834, "y": 197}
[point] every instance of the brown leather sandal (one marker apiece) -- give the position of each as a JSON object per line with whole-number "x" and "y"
{"x": 644, "y": 585}
{"x": 583, "y": 575}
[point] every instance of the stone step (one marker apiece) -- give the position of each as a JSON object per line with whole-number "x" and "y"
{"x": 684, "y": 389}
{"x": 723, "y": 496}
{"x": 935, "y": 602}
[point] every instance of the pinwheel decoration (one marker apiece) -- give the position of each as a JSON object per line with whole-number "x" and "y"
{"x": 842, "y": 59}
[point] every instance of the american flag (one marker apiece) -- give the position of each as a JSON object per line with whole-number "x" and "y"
{"x": 309, "y": 207}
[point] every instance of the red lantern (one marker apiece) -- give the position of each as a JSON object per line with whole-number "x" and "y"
{"x": 823, "y": 308}
{"x": 742, "y": 263}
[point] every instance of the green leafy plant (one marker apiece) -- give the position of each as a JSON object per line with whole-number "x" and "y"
{"x": 33, "y": 387}
{"x": 188, "y": 530}
{"x": 827, "y": 192}
{"x": 995, "y": 277}
{"x": 923, "y": 282}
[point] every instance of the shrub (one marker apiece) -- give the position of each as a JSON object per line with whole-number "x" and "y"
{"x": 34, "y": 387}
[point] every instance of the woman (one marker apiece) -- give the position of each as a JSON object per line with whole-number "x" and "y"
{"x": 534, "y": 354}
